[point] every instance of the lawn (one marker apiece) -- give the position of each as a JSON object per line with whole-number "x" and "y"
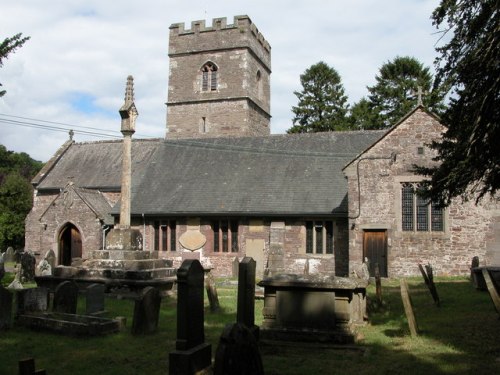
{"x": 460, "y": 337}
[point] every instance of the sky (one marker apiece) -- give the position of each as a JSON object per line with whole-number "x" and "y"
{"x": 72, "y": 73}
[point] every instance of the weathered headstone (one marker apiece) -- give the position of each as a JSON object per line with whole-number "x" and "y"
{"x": 5, "y": 308}
{"x": 246, "y": 295}
{"x": 32, "y": 300}
{"x": 16, "y": 283}
{"x": 405, "y": 296}
{"x": 473, "y": 275}
{"x": 66, "y": 297}
{"x": 378, "y": 283}
{"x": 44, "y": 268}
{"x": 50, "y": 257}
{"x": 429, "y": 281}
{"x": 235, "y": 266}
{"x": 9, "y": 255}
{"x": 94, "y": 299}
{"x": 238, "y": 352}
{"x": 28, "y": 263}
{"x": 213, "y": 298}
{"x": 146, "y": 311}
{"x": 491, "y": 289}
{"x": 192, "y": 354}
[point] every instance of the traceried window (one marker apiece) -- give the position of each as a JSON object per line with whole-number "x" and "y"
{"x": 418, "y": 214}
{"x": 165, "y": 237}
{"x": 209, "y": 77}
{"x": 225, "y": 236}
{"x": 319, "y": 237}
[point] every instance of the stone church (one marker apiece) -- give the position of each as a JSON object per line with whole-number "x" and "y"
{"x": 220, "y": 186}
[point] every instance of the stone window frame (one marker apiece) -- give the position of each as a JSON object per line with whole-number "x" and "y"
{"x": 225, "y": 236}
{"x": 165, "y": 235}
{"x": 398, "y": 209}
{"x": 209, "y": 77}
{"x": 311, "y": 237}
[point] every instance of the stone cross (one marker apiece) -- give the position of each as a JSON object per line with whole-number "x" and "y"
{"x": 128, "y": 113}
{"x": 420, "y": 93}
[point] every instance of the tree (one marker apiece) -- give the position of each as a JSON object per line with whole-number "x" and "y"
{"x": 9, "y": 45}
{"x": 468, "y": 155}
{"x": 363, "y": 117}
{"x": 322, "y": 102}
{"x": 16, "y": 193}
{"x": 395, "y": 92}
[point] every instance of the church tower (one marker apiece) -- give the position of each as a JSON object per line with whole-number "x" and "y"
{"x": 219, "y": 80}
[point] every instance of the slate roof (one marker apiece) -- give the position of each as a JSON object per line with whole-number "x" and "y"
{"x": 277, "y": 175}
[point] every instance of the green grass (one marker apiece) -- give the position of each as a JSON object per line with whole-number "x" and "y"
{"x": 460, "y": 337}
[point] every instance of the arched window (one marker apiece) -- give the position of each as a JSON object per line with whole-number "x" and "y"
{"x": 209, "y": 77}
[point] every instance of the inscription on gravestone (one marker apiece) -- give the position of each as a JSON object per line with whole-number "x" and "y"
{"x": 146, "y": 312}
{"x": 66, "y": 297}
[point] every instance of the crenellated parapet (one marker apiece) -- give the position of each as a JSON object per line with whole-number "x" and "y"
{"x": 242, "y": 33}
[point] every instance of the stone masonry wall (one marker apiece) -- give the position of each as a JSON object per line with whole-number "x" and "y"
{"x": 469, "y": 229}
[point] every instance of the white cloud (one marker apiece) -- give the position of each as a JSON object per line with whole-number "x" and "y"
{"x": 89, "y": 47}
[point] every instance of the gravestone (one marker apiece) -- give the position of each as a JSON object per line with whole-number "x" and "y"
{"x": 44, "y": 268}
{"x": 246, "y": 295}
{"x": 9, "y": 255}
{"x": 32, "y": 300}
{"x": 213, "y": 298}
{"x": 66, "y": 297}
{"x": 429, "y": 281}
{"x": 16, "y": 283}
{"x": 5, "y": 308}
{"x": 94, "y": 299}
{"x": 27, "y": 367}
{"x": 2, "y": 267}
{"x": 235, "y": 267}
{"x": 192, "y": 354}
{"x": 408, "y": 307}
{"x": 50, "y": 257}
{"x": 378, "y": 283}
{"x": 146, "y": 311}
{"x": 491, "y": 289}
{"x": 28, "y": 263}
{"x": 238, "y": 352}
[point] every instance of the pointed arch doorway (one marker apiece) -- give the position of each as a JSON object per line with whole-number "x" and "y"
{"x": 70, "y": 244}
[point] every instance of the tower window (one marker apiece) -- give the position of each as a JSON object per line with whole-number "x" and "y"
{"x": 209, "y": 77}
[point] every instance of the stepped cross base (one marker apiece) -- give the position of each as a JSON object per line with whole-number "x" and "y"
{"x": 124, "y": 238}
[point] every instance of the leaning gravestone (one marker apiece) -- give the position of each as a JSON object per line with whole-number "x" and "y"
{"x": 146, "y": 311}
{"x": 192, "y": 354}
{"x": 66, "y": 297}
{"x": 5, "y": 308}
{"x": 238, "y": 352}
{"x": 32, "y": 300}
{"x": 94, "y": 299}
{"x": 28, "y": 263}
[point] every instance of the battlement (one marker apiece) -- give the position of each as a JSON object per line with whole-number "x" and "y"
{"x": 242, "y": 23}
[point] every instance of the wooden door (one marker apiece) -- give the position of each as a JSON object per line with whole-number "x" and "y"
{"x": 70, "y": 245}
{"x": 375, "y": 249}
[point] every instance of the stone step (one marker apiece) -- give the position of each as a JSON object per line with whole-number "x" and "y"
{"x": 158, "y": 273}
{"x": 122, "y": 254}
{"x": 132, "y": 265}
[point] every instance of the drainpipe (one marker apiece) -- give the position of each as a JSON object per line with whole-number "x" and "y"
{"x": 392, "y": 160}
{"x": 104, "y": 229}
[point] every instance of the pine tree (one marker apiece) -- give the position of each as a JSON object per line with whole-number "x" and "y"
{"x": 9, "y": 45}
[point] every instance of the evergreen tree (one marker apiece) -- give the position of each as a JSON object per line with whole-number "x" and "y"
{"x": 322, "y": 102}
{"x": 363, "y": 117}
{"x": 469, "y": 64}
{"x": 9, "y": 45}
{"x": 395, "y": 93}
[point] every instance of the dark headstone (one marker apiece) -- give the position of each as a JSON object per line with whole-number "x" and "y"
{"x": 2, "y": 267}
{"x": 5, "y": 308}
{"x": 238, "y": 352}
{"x": 192, "y": 354}
{"x": 32, "y": 300}
{"x": 27, "y": 367}
{"x": 473, "y": 275}
{"x": 146, "y": 311}
{"x": 94, "y": 299}
{"x": 429, "y": 281}
{"x": 246, "y": 294}
{"x": 495, "y": 297}
{"x": 66, "y": 297}
{"x": 9, "y": 255}
{"x": 28, "y": 263}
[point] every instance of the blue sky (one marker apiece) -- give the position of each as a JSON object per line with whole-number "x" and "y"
{"x": 74, "y": 68}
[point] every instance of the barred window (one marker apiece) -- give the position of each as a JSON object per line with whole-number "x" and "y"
{"x": 319, "y": 237}
{"x": 165, "y": 236}
{"x": 417, "y": 213}
{"x": 209, "y": 77}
